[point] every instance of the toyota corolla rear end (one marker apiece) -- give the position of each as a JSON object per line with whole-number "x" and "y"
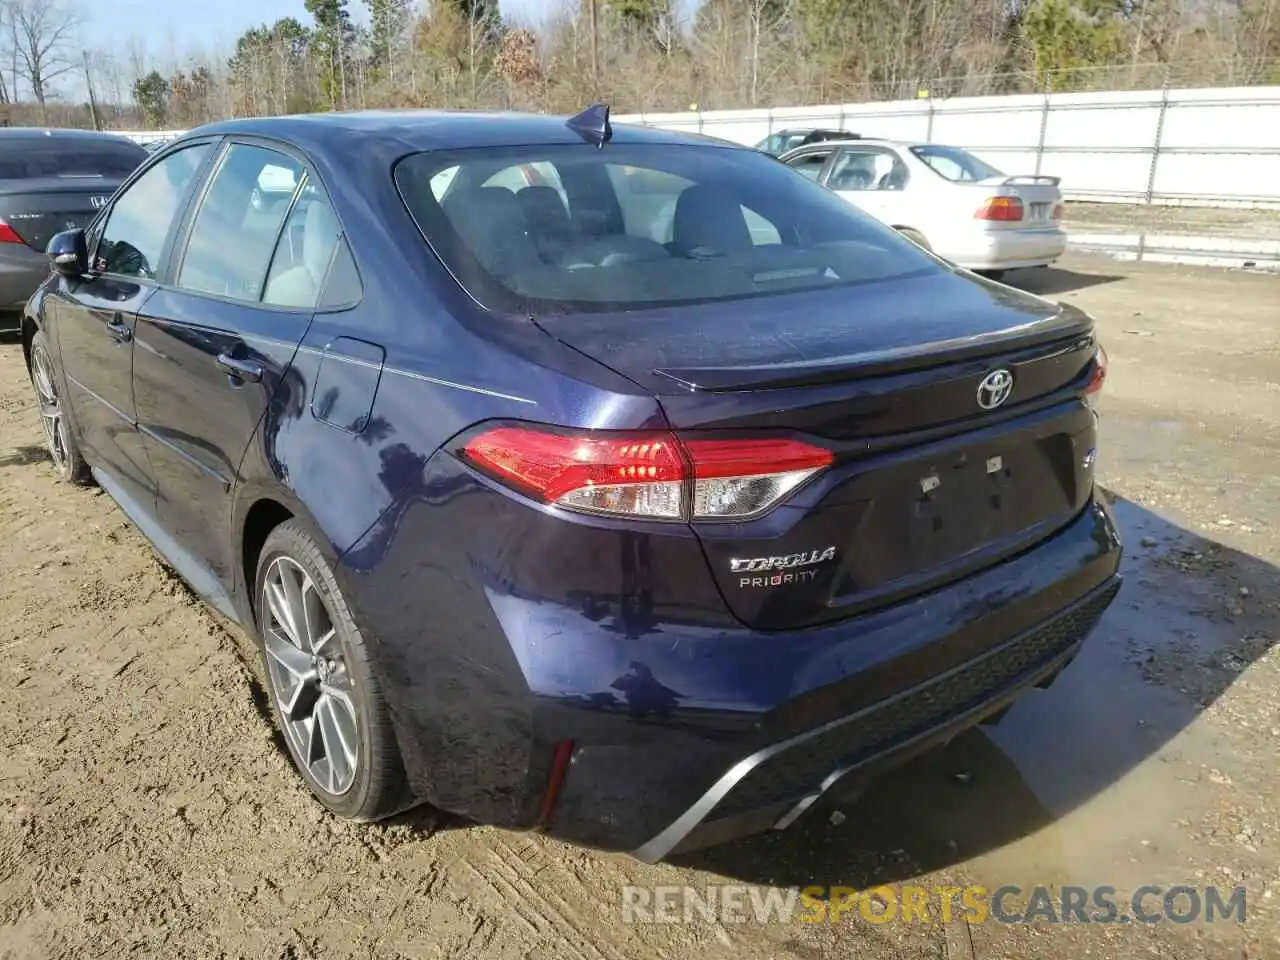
{"x": 817, "y": 505}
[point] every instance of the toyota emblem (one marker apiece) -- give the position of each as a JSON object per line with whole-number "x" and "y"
{"x": 995, "y": 389}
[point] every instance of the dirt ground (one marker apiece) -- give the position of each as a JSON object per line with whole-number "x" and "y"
{"x": 146, "y": 809}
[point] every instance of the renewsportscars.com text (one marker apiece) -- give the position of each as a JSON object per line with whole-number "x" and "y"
{"x": 730, "y": 903}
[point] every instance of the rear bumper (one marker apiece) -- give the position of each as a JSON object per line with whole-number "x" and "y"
{"x": 22, "y": 270}
{"x": 685, "y": 735}
{"x": 774, "y": 788}
{"x": 853, "y": 698}
{"x": 1006, "y": 249}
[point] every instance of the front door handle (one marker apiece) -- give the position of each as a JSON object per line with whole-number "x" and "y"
{"x": 239, "y": 369}
{"x": 118, "y": 329}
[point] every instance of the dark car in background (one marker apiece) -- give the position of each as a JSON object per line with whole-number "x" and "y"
{"x": 614, "y": 483}
{"x": 780, "y": 141}
{"x": 50, "y": 181}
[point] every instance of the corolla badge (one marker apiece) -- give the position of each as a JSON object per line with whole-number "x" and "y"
{"x": 995, "y": 389}
{"x": 784, "y": 568}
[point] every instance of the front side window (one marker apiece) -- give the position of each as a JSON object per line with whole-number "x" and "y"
{"x": 810, "y": 165}
{"x": 234, "y": 232}
{"x": 135, "y": 232}
{"x": 955, "y": 164}
{"x": 634, "y": 226}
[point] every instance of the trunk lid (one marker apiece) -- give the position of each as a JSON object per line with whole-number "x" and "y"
{"x": 38, "y": 208}
{"x": 927, "y": 485}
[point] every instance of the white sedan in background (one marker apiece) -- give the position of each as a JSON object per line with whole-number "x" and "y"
{"x": 945, "y": 199}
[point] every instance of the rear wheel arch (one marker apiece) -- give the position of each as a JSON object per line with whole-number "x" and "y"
{"x": 262, "y": 517}
{"x": 29, "y": 329}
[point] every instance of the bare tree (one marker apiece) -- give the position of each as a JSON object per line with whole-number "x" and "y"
{"x": 43, "y": 32}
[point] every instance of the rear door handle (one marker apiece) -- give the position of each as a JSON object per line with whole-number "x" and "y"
{"x": 118, "y": 329}
{"x": 239, "y": 369}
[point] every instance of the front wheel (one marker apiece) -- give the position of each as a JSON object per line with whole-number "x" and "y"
{"x": 326, "y": 699}
{"x": 59, "y": 438}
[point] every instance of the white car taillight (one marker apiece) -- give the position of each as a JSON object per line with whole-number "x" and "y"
{"x": 1002, "y": 209}
{"x": 650, "y": 475}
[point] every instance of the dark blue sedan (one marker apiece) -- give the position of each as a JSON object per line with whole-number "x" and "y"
{"x": 614, "y": 483}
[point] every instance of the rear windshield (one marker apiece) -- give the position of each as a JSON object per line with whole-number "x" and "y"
{"x": 569, "y": 228}
{"x": 22, "y": 160}
{"x": 956, "y": 164}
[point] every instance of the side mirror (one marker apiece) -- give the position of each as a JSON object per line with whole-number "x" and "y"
{"x": 69, "y": 254}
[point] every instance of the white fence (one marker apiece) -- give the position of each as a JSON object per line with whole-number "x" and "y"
{"x": 1214, "y": 147}
{"x": 1217, "y": 147}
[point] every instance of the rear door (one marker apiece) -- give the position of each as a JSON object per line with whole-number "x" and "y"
{"x": 214, "y": 343}
{"x": 94, "y": 318}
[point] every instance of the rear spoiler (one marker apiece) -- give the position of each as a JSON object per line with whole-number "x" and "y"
{"x": 1032, "y": 178}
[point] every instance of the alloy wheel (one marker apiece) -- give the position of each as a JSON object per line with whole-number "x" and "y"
{"x": 309, "y": 677}
{"x": 52, "y": 418}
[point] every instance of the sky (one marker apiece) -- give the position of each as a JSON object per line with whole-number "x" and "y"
{"x": 170, "y": 28}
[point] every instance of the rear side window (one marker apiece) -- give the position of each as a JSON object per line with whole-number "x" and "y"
{"x": 305, "y": 251}
{"x": 134, "y": 236}
{"x": 955, "y": 164}
{"x": 567, "y": 228}
{"x": 64, "y": 157}
{"x": 235, "y": 229}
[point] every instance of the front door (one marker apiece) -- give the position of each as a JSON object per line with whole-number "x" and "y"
{"x": 213, "y": 345}
{"x": 95, "y": 317}
{"x": 871, "y": 178}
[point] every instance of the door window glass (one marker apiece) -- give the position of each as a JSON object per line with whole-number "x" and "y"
{"x": 134, "y": 237}
{"x": 235, "y": 228}
{"x": 304, "y": 251}
{"x": 867, "y": 170}
{"x": 810, "y": 165}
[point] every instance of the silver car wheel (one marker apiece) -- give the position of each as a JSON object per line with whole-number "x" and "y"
{"x": 51, "y": 415}
{"x": 309, "y": 677}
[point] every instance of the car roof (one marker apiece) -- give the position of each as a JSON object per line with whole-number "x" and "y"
{"x": 422, "y": 130}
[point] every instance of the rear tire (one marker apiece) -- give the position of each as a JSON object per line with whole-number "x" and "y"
{"x": 325, "y": 696}
{"x": 916, "y": 237}
{"x": 59, "y": 435}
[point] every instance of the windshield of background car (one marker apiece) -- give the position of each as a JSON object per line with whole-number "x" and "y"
{"x": 51, "y": 157}
{"x": 956, "y": 164}
{"x": 570, "y": 228}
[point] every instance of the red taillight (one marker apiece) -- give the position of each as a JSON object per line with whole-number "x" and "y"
{"x": 653, "y": 475}
{"x": 1057, "y": 212}
{"x": 8, "y": 234}
{"x": 560, "y": 758}
{"x": 1099, "y": 376}
{"x": 1003, "y": 209}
